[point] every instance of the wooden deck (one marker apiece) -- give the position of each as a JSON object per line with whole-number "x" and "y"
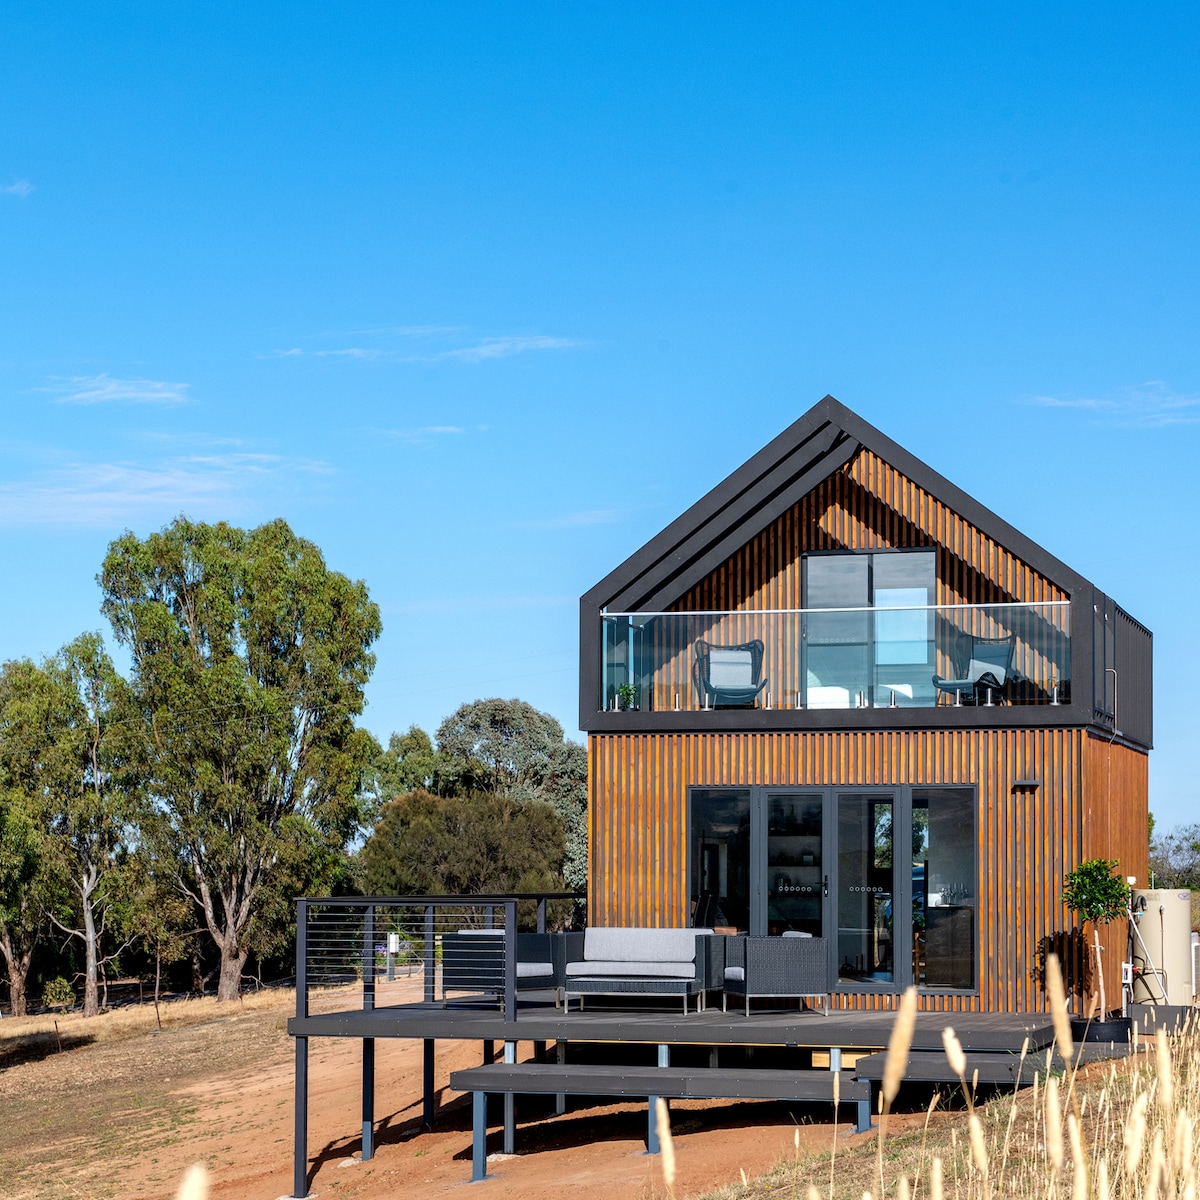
{"x": 539, "y": 1020}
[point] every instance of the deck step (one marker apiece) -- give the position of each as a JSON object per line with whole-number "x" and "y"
{"x": 674, "y": 1083}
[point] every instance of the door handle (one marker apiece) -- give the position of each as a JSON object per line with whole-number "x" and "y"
{"x": 825, "y": 886}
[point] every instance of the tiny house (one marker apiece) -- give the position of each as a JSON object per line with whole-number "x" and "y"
{"x": 838, "y": 696}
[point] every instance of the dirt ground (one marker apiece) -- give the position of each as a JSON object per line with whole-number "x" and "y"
{"x": 123, "y": 1115}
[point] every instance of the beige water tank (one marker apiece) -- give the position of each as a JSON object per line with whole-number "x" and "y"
{"x": 1162, "y": 948}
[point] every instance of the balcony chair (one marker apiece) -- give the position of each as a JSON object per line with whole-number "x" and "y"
{"x": 989, "y": 667}
{"x": 728, "y": 676}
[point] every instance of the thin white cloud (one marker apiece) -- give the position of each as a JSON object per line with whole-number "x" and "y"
{"x": 1150, "y": 405}
{"x": 420, "y": 435}
{"x": 104, "y": 389}
{"x": 115, "y": 494}
{"x": 596, "y": 516}
{"x": 21, "y": 187}
{"x": 348, "y": 352}
{"x": 483, "y": 350}
{"x": 506, "y": 347}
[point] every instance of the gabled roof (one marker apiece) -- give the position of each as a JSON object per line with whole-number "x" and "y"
{"x": 779, "y": 476}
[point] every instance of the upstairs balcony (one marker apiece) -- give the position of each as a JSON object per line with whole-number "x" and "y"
{"x": 919, "y": 656}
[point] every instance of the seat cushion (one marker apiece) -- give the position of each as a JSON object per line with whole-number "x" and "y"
{"x": 976, "y": 669}
{"x": 738, "y": 973}
{"x": 534, "y": 970}
{"x": 730, "y": 669}
{"x": 617, "y": 944}
{"x": 627, "y": 969}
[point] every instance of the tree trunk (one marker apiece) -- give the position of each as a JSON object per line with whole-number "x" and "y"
{"x": 91, "y": 997}
{"x": 18, "y": 972}
{"x": 233, "y": 959}
{"x": 1103, "y": 1015}
{"x": 157, "y": 982}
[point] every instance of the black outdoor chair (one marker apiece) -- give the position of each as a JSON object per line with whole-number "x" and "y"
{"x": 728, "y": 676}
{"x": 988, "y": 669}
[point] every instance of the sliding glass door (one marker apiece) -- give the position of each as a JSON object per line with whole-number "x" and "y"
{"x": 827, "y": 862}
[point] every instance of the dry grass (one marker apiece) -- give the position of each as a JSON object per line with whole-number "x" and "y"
{"x": 119, "y": 1091}
{"x": 1125, "y": 1130}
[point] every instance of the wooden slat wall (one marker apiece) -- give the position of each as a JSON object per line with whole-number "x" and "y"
{"x": 1116, "y": 789}
{"x": 866, "y": 505}
{"x": 1027, "y": 840}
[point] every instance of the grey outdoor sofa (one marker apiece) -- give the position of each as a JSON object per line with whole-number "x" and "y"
{"x": 473, "y": 961}
{"x": 612, "y": 961}
{"x": 788, "y": 967}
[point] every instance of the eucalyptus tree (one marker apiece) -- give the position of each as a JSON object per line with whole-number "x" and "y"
{"x": 250, "y": 657}
{"x": 510, "y": 748}
{"x": 22, "y": 917}
{"x": 65, "y": 750}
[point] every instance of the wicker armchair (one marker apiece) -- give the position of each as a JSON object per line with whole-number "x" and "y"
{"x": 776, "y": 967}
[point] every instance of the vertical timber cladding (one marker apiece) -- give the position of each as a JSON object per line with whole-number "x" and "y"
{"x": 869, "y": 505}
{"x": 1027, "y": 839}
{"x": 1116, "y": 824}
{"x": 865, "y": 505}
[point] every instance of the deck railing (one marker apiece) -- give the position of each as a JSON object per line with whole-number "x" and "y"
{"x": 881, "y": 657}
{"x": 373, "y": 951}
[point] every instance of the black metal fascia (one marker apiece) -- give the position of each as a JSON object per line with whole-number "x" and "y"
{"x": 849, "y": 720}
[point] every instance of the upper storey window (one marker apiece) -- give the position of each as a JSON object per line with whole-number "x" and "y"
{"x": 870, "y": 631}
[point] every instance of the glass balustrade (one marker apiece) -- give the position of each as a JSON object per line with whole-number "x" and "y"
{"x": 886, "y": 656}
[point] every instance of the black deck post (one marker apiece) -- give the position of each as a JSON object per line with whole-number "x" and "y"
{"x": 489, "y": 1053}
{"x": 560, "y": 1056}
{"x": 368, "y": 1099}
{"x": 429, "y": 1109}
{"x": 510, "y": 1111}
{"x": 430, "y": 960}
{"x": 478, "y": 1136}
{"x": 300, "y": 1142}
{"x": 300, "y": 1131}
{"x": 510, "y": 960}
{"x": 368, "y": 1044}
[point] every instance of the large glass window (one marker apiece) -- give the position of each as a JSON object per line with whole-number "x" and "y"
{"x": 876, "y": 644}
{"x": 865, "y": 903}
{"x": 720, "y": 853}
{"x": 943, "y": 875}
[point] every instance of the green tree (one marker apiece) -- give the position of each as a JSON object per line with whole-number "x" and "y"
{"x": 509, "y": 748}
{"x": 463, "y": 845}
{"x": 22, "y": 916}
{"x": 410, "y": 761}
{"x": 250, "y": 658}
{"x": 1175, "y": 857}
{"x": 158, "y": 917}
{"x": 1099, "y": 896}
{"x": 63, "y": 750}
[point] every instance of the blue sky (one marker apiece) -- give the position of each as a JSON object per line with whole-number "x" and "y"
{"x": 479, "y": 296}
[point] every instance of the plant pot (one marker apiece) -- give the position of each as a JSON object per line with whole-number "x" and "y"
{"x": 1115, "y": 1029}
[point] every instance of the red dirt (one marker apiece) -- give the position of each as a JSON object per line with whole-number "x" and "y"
{"x": 597, "y": 1153}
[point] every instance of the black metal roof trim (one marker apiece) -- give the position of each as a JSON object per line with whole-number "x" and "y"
{"x": 780, "y": 475}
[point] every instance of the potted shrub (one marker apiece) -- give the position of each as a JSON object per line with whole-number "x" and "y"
{"x": 1098, "y": 896}
{"x": 628, "y": 696}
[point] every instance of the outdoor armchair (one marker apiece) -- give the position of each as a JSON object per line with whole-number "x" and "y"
{"x": 728, "y": 676}
{"x": 988, "y": 668}
{"x": 776, "y": 968}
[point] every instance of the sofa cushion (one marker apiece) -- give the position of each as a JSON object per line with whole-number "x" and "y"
{"x": 616, "y": 944}
{"x": 532, "y": 970}
{"x": 627, "y": 969}
{"x": 737, "y": 973}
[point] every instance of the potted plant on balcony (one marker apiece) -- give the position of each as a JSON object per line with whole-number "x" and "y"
{"x": 1099, "y": 896}
{"x": 628, "y": 696}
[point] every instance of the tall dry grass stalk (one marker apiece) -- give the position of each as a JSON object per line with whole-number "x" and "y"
{"x": 894, "y": 1067}
{"x": 1127, "y": 1130}
{"x": 194, "y": 1185}
{"x": 666, "y": 1144}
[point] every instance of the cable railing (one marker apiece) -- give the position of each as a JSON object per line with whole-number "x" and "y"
{"x": 380, "y": 951}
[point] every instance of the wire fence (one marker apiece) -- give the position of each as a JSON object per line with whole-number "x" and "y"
{"x": 379, "y": 951}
